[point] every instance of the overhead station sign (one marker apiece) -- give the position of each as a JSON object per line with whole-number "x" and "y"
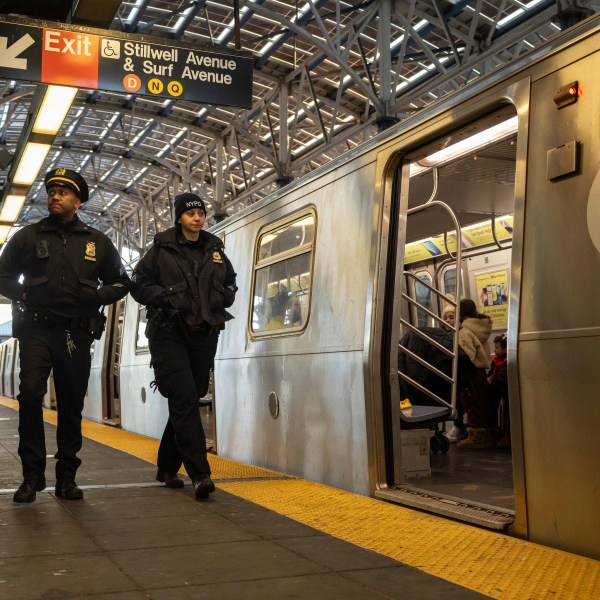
{"x": 99, "y": 59}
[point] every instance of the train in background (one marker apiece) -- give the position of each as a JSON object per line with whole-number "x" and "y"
{"x": 493, "y": 194}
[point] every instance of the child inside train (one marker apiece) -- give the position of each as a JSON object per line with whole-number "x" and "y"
{"x": 498, "y": 390}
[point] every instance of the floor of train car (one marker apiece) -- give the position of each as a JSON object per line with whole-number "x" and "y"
{"x": 481, "y": 475}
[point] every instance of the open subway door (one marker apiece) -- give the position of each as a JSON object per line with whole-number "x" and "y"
{"x": 455, "y": 236}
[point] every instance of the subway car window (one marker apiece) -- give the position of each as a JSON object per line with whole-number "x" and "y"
{"x": 289, "y": 237}
{"x": 141, "y": 341}
{"x": 283, "y": 276}
{"x": 450, "y": 281}
{"x": 423, "y": 296}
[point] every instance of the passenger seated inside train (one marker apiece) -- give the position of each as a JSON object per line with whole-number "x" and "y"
{"x": 278, "y": 305}
{"x": 448, "y": 316}
{"x": 473, "y": 335}
{"x": 437, "y": 358}
{"x": 295, "y": 311}
{"x": 458, "y": 431}
{"x": 498, "y": 389}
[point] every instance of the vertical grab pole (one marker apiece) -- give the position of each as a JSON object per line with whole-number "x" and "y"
{"x": 458, "y": 257}
{"x": 236, "y": 24}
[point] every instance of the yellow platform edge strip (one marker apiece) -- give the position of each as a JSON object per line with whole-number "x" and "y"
{"x": 491, "y": 563}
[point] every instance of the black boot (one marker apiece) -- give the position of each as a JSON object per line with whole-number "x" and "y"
{"x": 67, "y": 489}
{"x": 203, "y": 486}
{"x": 169, "y": 479}
{"x": 31, "y": 484}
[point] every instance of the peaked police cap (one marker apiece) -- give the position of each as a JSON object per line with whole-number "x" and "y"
{"x": 68, "y": 178}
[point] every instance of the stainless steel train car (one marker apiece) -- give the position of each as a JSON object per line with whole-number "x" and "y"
{"x": 492, "y": 194}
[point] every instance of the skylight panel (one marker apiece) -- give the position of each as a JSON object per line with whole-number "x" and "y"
{"x": 517, "y": 13}
{"x": 229, "y": 27}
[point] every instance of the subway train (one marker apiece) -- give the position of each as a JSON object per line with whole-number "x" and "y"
{"x": 493, "y": 194}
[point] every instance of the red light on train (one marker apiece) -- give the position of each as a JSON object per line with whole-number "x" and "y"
{"x": 568, "y": 94}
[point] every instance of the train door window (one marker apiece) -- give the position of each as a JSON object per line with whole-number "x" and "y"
{"x": 423, "y": 297}
{"x": 449, "y": 281}
{"x": 282, "y": 280}
{"x": 141, "y": 341}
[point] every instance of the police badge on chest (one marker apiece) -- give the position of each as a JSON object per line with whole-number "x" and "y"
{"x": 41, "y": 249}
{"x": 90, "y": 251}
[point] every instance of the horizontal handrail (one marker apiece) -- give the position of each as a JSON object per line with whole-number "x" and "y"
{"x": 423, "y": 362}
{"x": 433, "y": 396}
{"x": 424, "y": 336}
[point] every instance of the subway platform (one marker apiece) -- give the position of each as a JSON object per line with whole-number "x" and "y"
{"x": 260, "y": 535}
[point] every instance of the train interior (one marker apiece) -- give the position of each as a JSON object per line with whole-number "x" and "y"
{"x": 463, "y": 183}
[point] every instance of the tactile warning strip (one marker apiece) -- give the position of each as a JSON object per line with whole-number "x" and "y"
{"x": 488, "y": 562}
{"x": 146, "y": 448}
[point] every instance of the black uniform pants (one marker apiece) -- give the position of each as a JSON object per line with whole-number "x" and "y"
{"x": 43, "y": 349}
{"x": 182, "y": 371}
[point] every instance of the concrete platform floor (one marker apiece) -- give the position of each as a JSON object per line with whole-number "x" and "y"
{"x": 133, "y": 539}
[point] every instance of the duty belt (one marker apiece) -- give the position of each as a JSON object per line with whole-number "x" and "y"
{"x": 204, "y": 328}
{"x": 57, "y": 322}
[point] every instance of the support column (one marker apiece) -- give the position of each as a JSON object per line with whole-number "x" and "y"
{"x": 384, "y": 36}
{"x": 219, "y": 198}
{"x": 143, "y": 228}
{"x": 284, "y": 148}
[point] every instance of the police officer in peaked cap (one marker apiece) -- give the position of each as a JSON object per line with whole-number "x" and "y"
{"x": 69, "y": 179}
{"x": 58, "y": 273}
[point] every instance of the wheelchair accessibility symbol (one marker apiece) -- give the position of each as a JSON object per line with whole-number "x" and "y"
{"x": 110, "y": 48}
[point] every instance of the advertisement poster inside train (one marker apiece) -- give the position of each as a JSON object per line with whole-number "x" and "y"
{"x": 492, "y": 296}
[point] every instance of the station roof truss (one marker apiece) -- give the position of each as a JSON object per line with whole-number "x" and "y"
{"x": 327, "y": 77}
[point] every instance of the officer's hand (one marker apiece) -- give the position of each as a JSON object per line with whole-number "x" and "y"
{"x": 162, "y": 300}
{"x": 229, "y": 295}
{"x": 185, "y": 309}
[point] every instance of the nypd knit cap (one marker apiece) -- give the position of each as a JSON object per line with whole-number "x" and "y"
{"x": 187, "y": 201}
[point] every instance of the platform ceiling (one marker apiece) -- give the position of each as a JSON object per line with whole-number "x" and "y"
{"x": 336, "y": 72}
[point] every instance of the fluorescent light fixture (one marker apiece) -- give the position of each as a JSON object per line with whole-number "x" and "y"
{"x": 475, "y": 142}
{"x": 4, "y": 231}
{"x": 31, "y": 162}
{"x": 52, "y": 113}
{"x": 11, "y": 208}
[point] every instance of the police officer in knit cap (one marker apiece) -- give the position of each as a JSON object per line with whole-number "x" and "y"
{"x": 58, "y": 273}
{"x": 186, "y": 282}
{"x": 188, "y": 201}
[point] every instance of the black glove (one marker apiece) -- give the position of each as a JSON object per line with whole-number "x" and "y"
{"x": 229, "y": 295}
